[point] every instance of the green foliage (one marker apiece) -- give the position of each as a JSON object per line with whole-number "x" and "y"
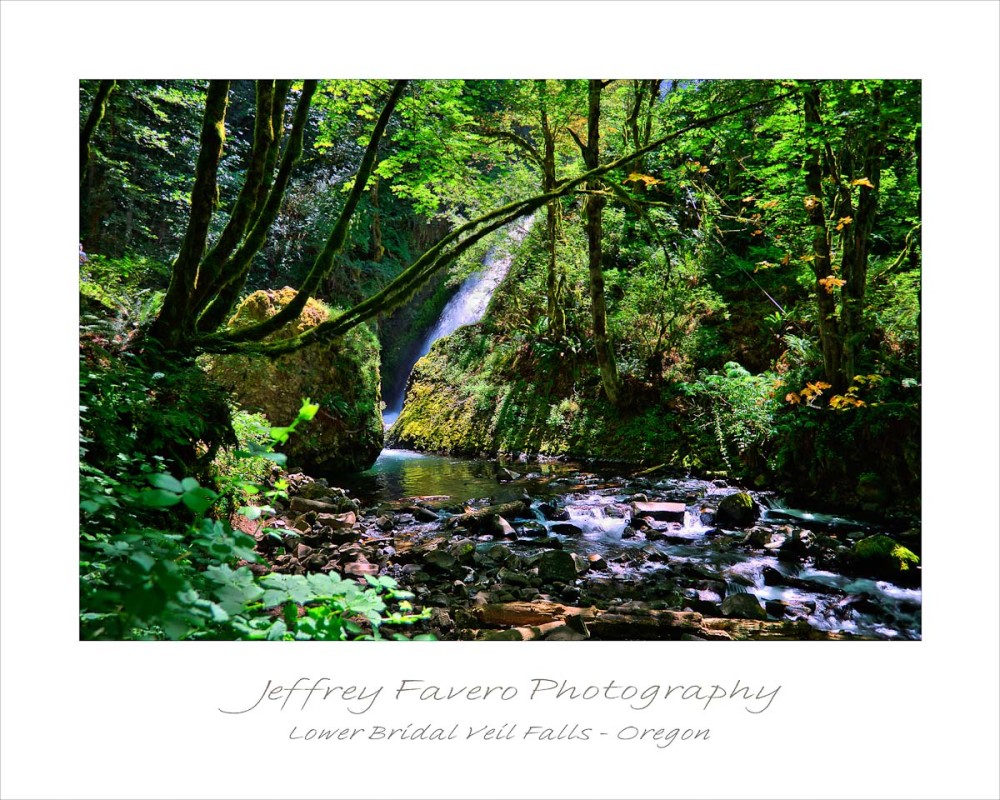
{"x": 155, "y": 560}
{"x": 736, "y": 407}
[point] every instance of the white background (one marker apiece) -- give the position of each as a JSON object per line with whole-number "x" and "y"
{"x": 908, "y": 720}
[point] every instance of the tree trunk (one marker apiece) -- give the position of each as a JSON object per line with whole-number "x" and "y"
{"x": 555, "y": 278}
{"x": 829, "y": 333}
{"x": 594, "y": 208}
{"x": 175, "y": 322}
{"x": 93, "y": 120}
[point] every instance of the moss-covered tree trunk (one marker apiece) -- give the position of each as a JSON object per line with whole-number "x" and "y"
{"x": 175, "y": 323}
{"x": 555, "y": 277}
{"x": 94, "y": 118}
{"x": 593, "y": 223}
{"x": 831, "y": 342}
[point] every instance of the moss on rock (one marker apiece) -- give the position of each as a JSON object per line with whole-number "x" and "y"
{"x": 342, "y": 376}
{"x": 885, "y": 554}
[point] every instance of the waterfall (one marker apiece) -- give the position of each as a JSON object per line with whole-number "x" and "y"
{"x": 466, "y": 307}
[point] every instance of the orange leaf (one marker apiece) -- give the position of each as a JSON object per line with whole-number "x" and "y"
{"x": 863, "y": 182}
{"x": 793, "y": 398}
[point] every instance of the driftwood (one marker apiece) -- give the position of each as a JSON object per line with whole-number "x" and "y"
{"x": 481, "y": 515}
{"x": 538, "y": 612}
{"x": 540, "y": 619}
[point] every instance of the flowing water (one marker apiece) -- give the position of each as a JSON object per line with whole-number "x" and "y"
{"x": 704, "y": 562}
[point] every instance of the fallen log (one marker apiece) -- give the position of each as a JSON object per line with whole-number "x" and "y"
{"x": 538, "y": 612}
{"x": 768, "y": 630}
{"x": 482, "y": 515}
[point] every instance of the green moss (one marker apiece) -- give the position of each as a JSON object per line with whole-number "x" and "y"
{"x": 883, "y": 548}
{"x": 342, "y": 376}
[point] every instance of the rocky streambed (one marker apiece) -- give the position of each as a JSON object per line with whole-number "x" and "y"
{"x": 557, "y": 552}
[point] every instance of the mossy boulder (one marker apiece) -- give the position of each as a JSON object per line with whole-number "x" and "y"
{"x": 342, "y": 376}
{"x": 884, "y": 557}
{"x": 737, "y": 511}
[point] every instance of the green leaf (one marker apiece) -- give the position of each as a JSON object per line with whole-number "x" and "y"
{"x": 144, "y": 560}
{"x": 199, "y": 500}
{"x": 162, "y": 480}
{"x": 189, "y": 484}
{"x": 159, "y": 498}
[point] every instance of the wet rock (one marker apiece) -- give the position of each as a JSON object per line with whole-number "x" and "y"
{"x": 759, "y": 537}
{"x": 505, "y": 475}
{"x": 737, "y": 511}
{"x": 882, "y": 556}
{"x": 441, "y": 620}
{"x": 384, "y": 523}
{"x": 743, "y": 606}
{"x": 628, "y": 532}
{"x": 463, "y": 550}
{"x": 556, "y": 565}
{"x": 798, "y": 543}
{"x": 500, "y": 527}
{"x": 664, "y": 512}
{"x": 720, "y": 483}
{"x": 513, "y": 578}
{"x": 552, "y": 512}
{"x": 776, "y": 608}
{"x": 566, "y": 529}
{"x": 437, "y": 599}
{"x": 532, "y": 530}
{"x": 439, "y": 561}
{"x": 582, "y": 564}
{"x": 597, "y": 562}
{"x": 706, "y": 516}
{"x": 617, "y": 511}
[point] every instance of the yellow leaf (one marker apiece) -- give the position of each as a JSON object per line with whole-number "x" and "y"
{"x": 749, "y": 199}
{"x": 846, "y": 220}
{"x": 786, "y": 259}
{"x": 793, "y": 398}
{"x": 636, "y": 177}
{"x": 769, "y": 204}
{"x": 863, "y": 182}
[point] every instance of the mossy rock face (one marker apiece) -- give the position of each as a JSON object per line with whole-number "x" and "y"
{"x": 342, "y": 376}
{"x": 884, "y": 556}
{"x": 737, "y": 511}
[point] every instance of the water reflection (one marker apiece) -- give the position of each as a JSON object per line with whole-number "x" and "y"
{"x": 404, "y": 473}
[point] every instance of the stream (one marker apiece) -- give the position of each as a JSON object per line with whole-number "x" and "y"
{"x": 798, "y": 565}
{"x": 607, "y": 552}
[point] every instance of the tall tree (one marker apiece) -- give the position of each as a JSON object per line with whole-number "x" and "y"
{"x": 849, "y": 161}
{"x": 593, "y": 210}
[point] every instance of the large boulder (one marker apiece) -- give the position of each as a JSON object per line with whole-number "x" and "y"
{"x": 737, "y": 511}
{"x": 884, "y": 557}
{"x": 342, "y": 376}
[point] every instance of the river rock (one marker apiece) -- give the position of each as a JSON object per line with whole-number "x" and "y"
{"x": 500, "y": 527}
{"x": 664, "y": 512}
{"x": 737, "y": 511}
{"x": 556, "y": 565}
{"x": 882, "y": 556}
{"x": 346, "y": 520}
{"x": 743, "y": 606}
{"x": 360, "y": 568}
{"x": 597, "y": 562}
{"x": 566, "y": 529}
{"x": 439, "y": 561}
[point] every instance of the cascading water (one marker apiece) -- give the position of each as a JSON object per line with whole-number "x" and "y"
{"x": 466, "y": 307}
